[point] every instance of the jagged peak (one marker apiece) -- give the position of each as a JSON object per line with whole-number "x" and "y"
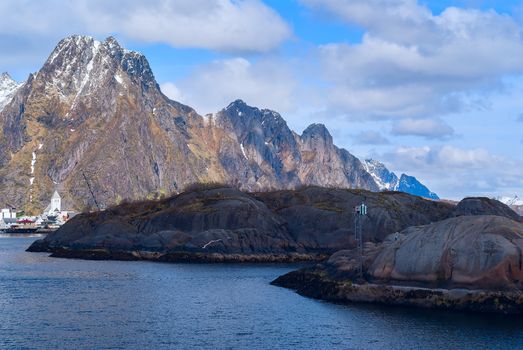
{"x": 412, "y": 185}
{"x": 6, "y": 82}
{"x": 238, "y": 104}
{"x": 317, "y": 129}
{"x": 73, "y": 43}
{"x": 8, "y": 87}
{"x": 5, "y": 76}
{"x": 374, "y": 162}
{"x": 111, "y": 42}
{"x": 79, "y": 60}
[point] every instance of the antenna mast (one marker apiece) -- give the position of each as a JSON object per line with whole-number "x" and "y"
{"x": 359, "y": 213}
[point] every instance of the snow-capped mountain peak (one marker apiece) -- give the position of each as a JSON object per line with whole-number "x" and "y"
{"x": 385, "y": 179}
{"x": 514, "y": 200}
{"x": 389, "y": 181}
{"x": 80, "y": 65}
{"x": 7, "y": 89}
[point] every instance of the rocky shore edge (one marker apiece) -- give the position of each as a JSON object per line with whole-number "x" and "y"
{"x": 319, "y": 285}
{"x": 172, "y": 257}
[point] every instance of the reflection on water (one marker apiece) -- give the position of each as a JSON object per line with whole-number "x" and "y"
{"x": 56, "y": 303}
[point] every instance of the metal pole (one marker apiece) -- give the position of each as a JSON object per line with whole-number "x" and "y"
{"x": 90, "y": 190}
{"x": 359, "y": 213}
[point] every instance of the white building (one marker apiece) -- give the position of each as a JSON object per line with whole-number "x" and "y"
{"x": 55, "y": 207}
{"x": 7, "y": 214}
{"x": 7, "y": 218}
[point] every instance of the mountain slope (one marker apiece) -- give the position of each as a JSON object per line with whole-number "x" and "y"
{"x": 95, "y": 108}
{"x": 410, "y": 184}
{"x": 389, "y": 181}
{"x": 95, "y": 111}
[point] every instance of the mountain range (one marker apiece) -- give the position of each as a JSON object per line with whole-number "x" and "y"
{"x": 514, "y": 202}
{"x": 389, "y": 181}
{"x": 93, "y": 118}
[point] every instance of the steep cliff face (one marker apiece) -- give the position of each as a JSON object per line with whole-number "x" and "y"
{"x": 95, "y": 109}
{"x": 261, "y": 152}
{"x": 270, "y": 155}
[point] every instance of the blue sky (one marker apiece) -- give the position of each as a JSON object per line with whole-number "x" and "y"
{"x": 431, "y": 88}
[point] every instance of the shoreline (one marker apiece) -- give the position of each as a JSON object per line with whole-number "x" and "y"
{"x": 318, "y": 285}
{"x": 176, "y": 257}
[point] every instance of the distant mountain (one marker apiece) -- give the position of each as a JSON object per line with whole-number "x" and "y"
{"x": 389, "y": 181}
{"x": 410, "y": 184}
{"x": 95, "y": 109}
{"x": 7, "y": 89}
{"x": 514, "y": 202}
{"x": 386, "y": 180}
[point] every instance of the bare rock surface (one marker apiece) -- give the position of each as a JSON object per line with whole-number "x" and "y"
{"x": 485, "y": 206}
{"x": 466, "y": 262}
{"x": 95, "y": 108}
{"x": 311, "y": 221}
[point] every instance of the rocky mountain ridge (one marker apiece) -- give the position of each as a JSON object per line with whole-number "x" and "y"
{"x": 389, "y": 181}
{"x": 95, "y": 109}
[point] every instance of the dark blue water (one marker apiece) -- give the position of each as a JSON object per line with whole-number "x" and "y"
{"x": 48, "y": 303}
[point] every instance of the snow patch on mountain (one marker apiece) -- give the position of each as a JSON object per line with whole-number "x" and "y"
{"x": 510, "y": 200}
{"x": 385, "y": 179}
{"x": 8, "y": 87}
{"x": 389, "y": 181}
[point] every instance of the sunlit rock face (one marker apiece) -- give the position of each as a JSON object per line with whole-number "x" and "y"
{"x": 95, "y": 109}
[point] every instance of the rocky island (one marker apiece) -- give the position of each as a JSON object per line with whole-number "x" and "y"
{"x": 468, "y": 262}
{"x": 216, "y": 223}
{"x": 417, "y": 252}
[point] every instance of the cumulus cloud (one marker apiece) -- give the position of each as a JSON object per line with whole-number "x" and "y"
{"x": 171, "y": 90}
{"x": 412, "y": 63}
{"x": 429, "y": 128}
{"x": 446, "y": 157}
{"x": 455, "y": 172}
{"x": 224, "y": 25}
{"x": 210, "y": 87}
{"x": 371, "y": 137}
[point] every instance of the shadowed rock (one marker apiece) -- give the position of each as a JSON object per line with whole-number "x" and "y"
{"x": 485, "y": 206}
{"x": 313, "y": 221}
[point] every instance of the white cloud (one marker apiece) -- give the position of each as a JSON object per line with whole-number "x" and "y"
{"x": 266, "y": 84}
{"x": 224, "y": 25}
{"x": 412, "y": 63}
{"x": 371, "y": 137}
{"x": 171, "y": 90}
{"x": 455, "y": 172}
{"x": 429, "y": 128}
{"x": 446, "y": 157}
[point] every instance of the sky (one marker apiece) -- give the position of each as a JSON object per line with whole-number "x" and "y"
{"x": 433, "y": 89}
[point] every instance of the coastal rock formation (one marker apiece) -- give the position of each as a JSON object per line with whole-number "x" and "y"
{"x": 95, "y": 109}
{"x": 485, "y": 206}
{"x": 466, "y": 262}
{"x": 309, "y": 223}
{"x": 322, "y": 218}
